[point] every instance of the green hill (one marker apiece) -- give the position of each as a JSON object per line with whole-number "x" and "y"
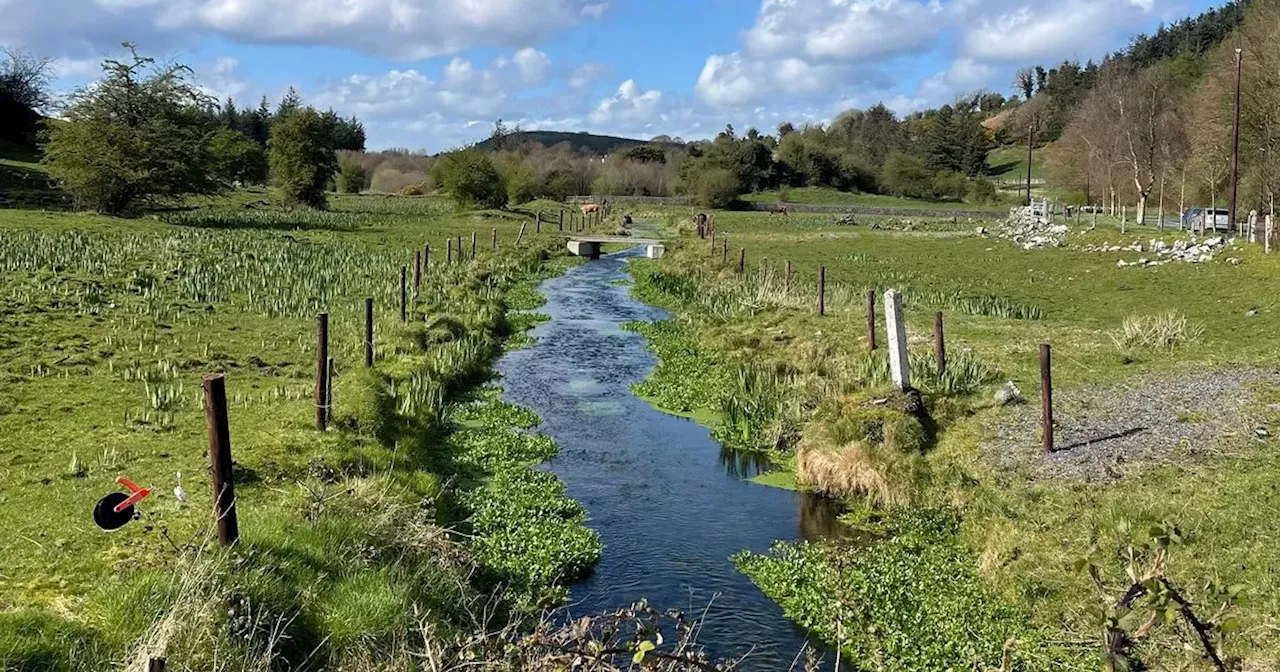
{"x": 583, "y": 142}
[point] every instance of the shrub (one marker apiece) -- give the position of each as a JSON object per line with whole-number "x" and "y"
{"x": 236, "y": 159}
{"x": 522, "y": 185}
{"x": 471, "y": 178}
{"x": 302, "y": 156}
{"x": 351, "y": 177}
{"x": 559, "y": 184}
{"x": 950, "y": 185}
{"x": 716, "y": 188}
{"x": 139, "y": 135}
{"x": 982, "y": 191}
{"x": 906, "y": 175}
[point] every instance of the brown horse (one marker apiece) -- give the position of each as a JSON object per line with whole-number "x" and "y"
{"x": 778, "y": 209}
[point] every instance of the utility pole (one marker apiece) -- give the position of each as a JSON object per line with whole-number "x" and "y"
{"x": 1235, "y": 147}
{"x": 1031, "y": 134}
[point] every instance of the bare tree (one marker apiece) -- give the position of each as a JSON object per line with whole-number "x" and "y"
{"x": 24, "y": 94}
{"x": 1025, "y": 82}
{"x": 24, "y": 79}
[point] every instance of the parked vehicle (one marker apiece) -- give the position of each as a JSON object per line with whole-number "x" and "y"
{"x": 1207, "y": 218}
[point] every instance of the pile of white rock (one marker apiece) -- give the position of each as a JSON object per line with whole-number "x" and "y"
{"x": 1183, "y": 250}
{"x": 1031, "y": 230}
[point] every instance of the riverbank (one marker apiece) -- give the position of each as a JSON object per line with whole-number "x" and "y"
{"x": 412, "y": 526}
{"x": 958, "y": 533}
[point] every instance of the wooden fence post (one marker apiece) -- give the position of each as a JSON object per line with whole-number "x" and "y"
{"x": 742, "y": 260}
{"x": 537, "y": 222}
{"x": 724, "y": 252}
{"x": 494, "y": 243}
{"x": 786, "y": 281}
{"x": 458, "y": 243}
{"x": 871, "y": 319}
{"x": 473, "y": 245}
{"x": 713, "y": 243}
{"x": 224, "y": 484}
{"x": 426, "y": 256}
{"x": 404, "y": 299}
{"x": 328, "y": 392}
{"x": 156, "y": 665}
{"x": 521, "y": 235}
{"x": 895, "y": 322}
{"x": 1046, "y": 397}
{"x": 449, "y": 250}
{"x": 822, "y": 290}
{"x": 561, "y": 220}
{"x": 939, "y": 344}
{"x": 417, "y": 273}
{"x": 368, "y": 332}
{"x": 322, "y": 370}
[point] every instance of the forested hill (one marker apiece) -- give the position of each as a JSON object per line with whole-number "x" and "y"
{"x": 585, "y": 143}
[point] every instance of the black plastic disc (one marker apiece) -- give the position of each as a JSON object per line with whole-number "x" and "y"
{"x": 104, "y": 512}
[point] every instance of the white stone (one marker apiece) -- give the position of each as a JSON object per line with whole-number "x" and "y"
{"x": 899, "y": 367}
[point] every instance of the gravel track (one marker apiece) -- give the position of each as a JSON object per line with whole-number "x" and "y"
{"x": 1105, "y": 433}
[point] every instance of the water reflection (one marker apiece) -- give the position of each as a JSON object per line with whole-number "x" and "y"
{"x": 742, "y": 464}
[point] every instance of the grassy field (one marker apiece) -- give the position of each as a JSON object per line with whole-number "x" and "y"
{"x": 346, "y": 558}
{"x": 1010, "y": 163}
{"x": 965, "y": 525}
{"x": 828, "y": 196}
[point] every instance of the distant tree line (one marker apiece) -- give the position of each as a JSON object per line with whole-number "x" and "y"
{"x": 1154, "y": 126}
{"x": 255, "y": 124}
{"x": 145, "y": 134}
{"x": 938, "y": 154}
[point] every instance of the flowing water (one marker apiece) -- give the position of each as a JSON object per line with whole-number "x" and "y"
{"x": 670, "y": 503}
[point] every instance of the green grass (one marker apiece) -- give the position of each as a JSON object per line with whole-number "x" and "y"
{"x": 106, "y": 328}
{"x": 828, "y": 196}
{"x": 1010, "y": 163}
{"x": 1020, "y": 538}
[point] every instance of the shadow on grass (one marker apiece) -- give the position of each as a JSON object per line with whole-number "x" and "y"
{"x": 1102, "y": 439}
{"x": 25, "y": 186}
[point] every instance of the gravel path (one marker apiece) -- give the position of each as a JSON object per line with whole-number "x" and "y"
{"x": 1104, "y": 433}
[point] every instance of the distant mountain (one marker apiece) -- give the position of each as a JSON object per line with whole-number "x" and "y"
{"x": 585, "y": 143}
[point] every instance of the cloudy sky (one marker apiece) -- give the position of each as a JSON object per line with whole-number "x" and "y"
{"x": 433, "y": 74}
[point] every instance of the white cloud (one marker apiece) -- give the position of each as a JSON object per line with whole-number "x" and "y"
{"x": 77, "y": 68}
{"x": 586, "y": 74}
{"x": 843, "y": 29}
{"x": 1050, "y": 30}
{"x": 630, "y": 106}
{"x": 407, "y": 29}
{"x": 534, "y": 66}
{"x": 462, "y": 93}
{"x": 221, "y": 80}
{"x": 806, "y": 48}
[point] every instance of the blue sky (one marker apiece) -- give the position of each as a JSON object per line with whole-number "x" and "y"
{"x": 433, "y": 74}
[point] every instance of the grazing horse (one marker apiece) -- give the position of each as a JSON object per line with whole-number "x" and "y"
{"x": 778, "y": 209}
{"x": 590, "y": 208}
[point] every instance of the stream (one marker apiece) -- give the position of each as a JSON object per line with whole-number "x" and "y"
{"x": 670, "y": 503}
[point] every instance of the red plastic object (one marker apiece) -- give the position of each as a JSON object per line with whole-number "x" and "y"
{"x": 138, "y": 495}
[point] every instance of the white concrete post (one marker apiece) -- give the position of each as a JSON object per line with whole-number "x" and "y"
{"x": 899, "y": 367}
{"x": 1253, "y": 226}
{"x": 1268, "y": 232}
